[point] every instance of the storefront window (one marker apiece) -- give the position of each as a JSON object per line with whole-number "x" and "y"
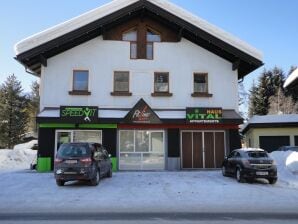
{"x": 87, "y": 136}
{"x": 157, "y": 142}
{"x": 142, "y": 141}
{"x": 66, "y": 136}
{"x": 127, "y": 141}
{"x": 141, "y": 150}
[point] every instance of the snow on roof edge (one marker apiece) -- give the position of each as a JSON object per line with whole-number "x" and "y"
{"x": 208, "y": 27}
{"x": 38, "y": 39}
{"x": 292, "y": 77}
{"x": 97, "y": 13}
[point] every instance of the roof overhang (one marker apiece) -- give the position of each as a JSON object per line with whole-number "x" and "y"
{"x": 33, "y": 52}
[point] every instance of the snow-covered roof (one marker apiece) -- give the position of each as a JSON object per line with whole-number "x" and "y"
{"x": 115, "y": 5}
{"x": 292, "y": 77}
{"x": 270, "y": 119}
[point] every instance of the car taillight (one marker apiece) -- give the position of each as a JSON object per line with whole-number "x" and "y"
{"x": 86, "y": 160}
{"x": 246, "y": 163}
{"x": 57, "y": 160}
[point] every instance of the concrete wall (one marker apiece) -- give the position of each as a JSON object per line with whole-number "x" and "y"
{"x": 102, "y": 58}
{"x": 254, "y": 133}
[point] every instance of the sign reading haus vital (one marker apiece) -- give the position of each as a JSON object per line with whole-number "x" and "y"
{"x": 203, "y": 115}
{"x": 79, "y": 114}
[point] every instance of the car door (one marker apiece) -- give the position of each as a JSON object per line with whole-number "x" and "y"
{"x": 229, "y": 162}
{"x": 235, "y": 161}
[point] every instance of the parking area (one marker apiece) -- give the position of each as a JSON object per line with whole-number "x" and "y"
{"x": 193, "y": 191}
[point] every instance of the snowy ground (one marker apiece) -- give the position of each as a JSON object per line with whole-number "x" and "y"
{"x": 23, "y": 190}
{"x": 196, "y": 191}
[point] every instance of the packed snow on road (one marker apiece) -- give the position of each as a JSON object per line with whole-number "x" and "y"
{"x": 183, "y": 191}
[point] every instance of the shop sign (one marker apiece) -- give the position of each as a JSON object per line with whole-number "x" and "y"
{"x": 79, "y": 114}
{"x": 141, "y": 113}
{"x": 203, "y": 115}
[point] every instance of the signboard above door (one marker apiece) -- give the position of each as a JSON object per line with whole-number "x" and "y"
{"x": 79, "y": 114}
{"x": 141, "y": 113}
{"x": 203, "y": 115}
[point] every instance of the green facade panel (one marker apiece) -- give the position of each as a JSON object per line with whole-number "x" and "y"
{"x": 114, "y": 163}
{"x": 56, "y": 125}
{"x": 53, "y": 125}
{"x": 98, "y": 126}
{"x": 44, "y": 164}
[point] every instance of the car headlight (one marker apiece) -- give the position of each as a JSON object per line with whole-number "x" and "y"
{"x": 59, "y": 171}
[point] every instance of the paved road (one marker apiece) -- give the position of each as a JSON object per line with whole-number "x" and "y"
{"x": 149, "y": 218}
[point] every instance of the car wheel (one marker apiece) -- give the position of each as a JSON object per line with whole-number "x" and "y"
{"x": 272, "y": 180}
{"x": 95, "y": 180}
{"x": 224, "y": 171}
{"x": 239, "y": 175}
{"x": 60, "y": 183}
{"x": 110, "y": 173}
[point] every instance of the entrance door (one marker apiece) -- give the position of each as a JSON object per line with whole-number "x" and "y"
{"x": 202, "y": 149}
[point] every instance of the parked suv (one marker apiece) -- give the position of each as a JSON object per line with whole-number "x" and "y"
{"x": 82, "y": 161}
{"x": 288, "y": 148}
{"x": 248, "y": 164}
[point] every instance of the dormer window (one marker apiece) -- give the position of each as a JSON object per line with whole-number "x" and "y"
{"x": 131, "y": 36}
{"x": 141, "y": 41}
{"x": 151, "y": 37}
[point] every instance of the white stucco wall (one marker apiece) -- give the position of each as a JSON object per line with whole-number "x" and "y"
{"x": 102, "y": 58}
{"x": 254, "y": 135}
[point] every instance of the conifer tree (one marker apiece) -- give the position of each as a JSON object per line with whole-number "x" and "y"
{"x": 33, "y": 106}
{"x": 13, "y": 115}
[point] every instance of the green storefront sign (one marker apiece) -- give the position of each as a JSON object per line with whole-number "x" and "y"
{"x": 79, "y": 114}
{"x": 203, "y": 115}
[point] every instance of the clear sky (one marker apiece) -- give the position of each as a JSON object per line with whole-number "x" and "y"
{"x": 269, "y": 25}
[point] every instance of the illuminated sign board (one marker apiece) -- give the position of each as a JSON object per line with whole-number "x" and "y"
{"x": 203, "y": 115}
{"x": 79, "y": 114}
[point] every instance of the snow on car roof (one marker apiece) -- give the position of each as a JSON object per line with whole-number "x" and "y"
{"x": 252, "y": 149}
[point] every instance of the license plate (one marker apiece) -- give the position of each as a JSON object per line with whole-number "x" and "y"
{"x": 70, "y": 173}
{"x": 262, "y": 173}
{"x": 71, "y": 161}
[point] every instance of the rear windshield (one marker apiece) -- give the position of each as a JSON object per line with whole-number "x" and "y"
{"x": 257, "y": 154}
{"x": 73, "y": 150}
{"x": 293, "y": 149}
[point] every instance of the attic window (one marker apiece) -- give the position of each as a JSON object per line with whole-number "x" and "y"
{"x": 151, "y": 37}
{"x": 131, "y": 36}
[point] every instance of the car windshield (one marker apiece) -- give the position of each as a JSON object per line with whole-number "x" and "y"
{"x": 293, "y": 148}
{"x": 257, "y": 154}
{"x": 73, "y": 150}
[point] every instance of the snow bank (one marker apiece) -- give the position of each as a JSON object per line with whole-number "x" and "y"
{"x": 18, "y": 158}
{"x": 287, "y": 167}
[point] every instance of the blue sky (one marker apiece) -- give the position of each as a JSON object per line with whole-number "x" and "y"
{"x": 269, "y": 25}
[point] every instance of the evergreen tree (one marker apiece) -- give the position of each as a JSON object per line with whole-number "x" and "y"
{"x": 243, "y": 99}
{"x": 13, "y": 115}
{"x": 270, "y": 82}
{"x": 281, "y": 104}
{"x": 33, "y": 106}
{"x": 253, "y": 93}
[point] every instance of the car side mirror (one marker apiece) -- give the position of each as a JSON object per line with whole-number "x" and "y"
{"x": 226, "y": 157}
